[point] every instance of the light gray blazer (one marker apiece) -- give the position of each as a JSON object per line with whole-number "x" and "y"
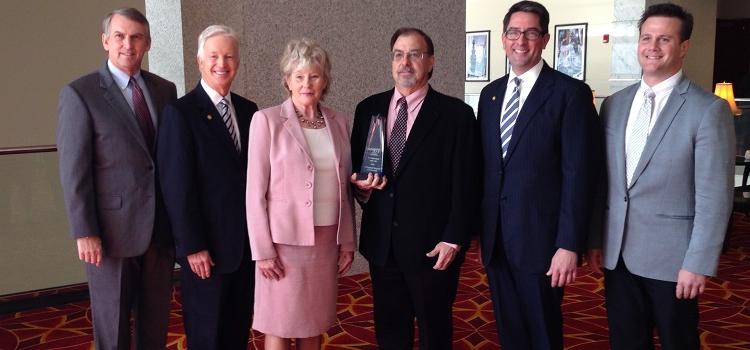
{"x": 106, "y": 170}
{"x": 674, "y": 214}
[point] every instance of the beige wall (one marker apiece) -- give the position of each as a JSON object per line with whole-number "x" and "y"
{"x": 47, "y": 44}
{"x": 61, "y": 41}
{"x": 488, "y": 15}
{"x": 355, "y": 33}
{"x": 36, "y": 251}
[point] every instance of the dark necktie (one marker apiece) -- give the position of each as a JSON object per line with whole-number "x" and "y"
{"x": 226, "y": 115}
{"x": 142, "y": 115}
{"x": 509, "y": 116}
{"x": 398, "y": 134}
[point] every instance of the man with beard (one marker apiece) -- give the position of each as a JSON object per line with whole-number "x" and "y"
{"x": 417, "y": 218}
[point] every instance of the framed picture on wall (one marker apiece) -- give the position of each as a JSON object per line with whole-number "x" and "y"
{"x": 570, "y": 49}
{"x": 478, "y": 56}
{"x": 473, "y": 101}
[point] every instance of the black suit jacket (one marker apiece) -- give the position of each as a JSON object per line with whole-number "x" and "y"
{"x": 203, "y": 177}
{"x": 539, "y": 197}
{"x": 435, "y": 195}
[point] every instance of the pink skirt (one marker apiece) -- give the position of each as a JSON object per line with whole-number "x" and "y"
{"x": 303, "y": 303}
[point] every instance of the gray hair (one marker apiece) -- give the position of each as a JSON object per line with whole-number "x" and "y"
{"x": 215, "y": 30}
{"x": 129, "y": 13}
{"x": 303, "y": 53}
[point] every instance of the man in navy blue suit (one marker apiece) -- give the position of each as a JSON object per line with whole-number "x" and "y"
{"x": 540, "y": 148}
{"x": 202, "y": 164}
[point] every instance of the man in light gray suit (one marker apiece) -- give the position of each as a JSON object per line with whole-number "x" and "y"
{"x": 105, "y": 139}
{"x": 668, "y": 193}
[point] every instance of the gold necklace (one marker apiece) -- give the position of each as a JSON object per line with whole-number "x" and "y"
{"x": 317, "y": 123}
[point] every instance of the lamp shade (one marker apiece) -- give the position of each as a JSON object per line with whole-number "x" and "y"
{"x": 726, "y": 91}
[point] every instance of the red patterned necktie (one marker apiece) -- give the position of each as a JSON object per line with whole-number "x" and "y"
{"x": 142, "y": 114}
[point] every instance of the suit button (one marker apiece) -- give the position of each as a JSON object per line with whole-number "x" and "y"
{"x": 625, "y": 198}
{"x": 309, "y": 167}
{"x": 308, "y": 184}
{"x": 390, "y": 194}
{"x": 308, "y": 203}
{"x": 395, "y": 224}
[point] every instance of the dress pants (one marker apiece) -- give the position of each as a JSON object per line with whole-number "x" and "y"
{"x": 635, "y": 305}
{"x": 401, "y": 294}
{"x": 142, "y": 284}
{"x": 217, "y": 310}
{"x": 527, "y": 308}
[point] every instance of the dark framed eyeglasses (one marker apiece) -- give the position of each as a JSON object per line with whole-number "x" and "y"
{"x": 529, "y": 34}
{"x": 414, "y": 55}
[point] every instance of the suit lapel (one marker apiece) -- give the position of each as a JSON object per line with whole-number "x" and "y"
{"x": 619, "y": 122}
{"x": 115, "y": 98}
{"x": 215, "y": 123}
{"x": 291, "y": 124}
{"x": 537, "y": 97}
{"x": 491, "y": 121}
{"x": 675, "y": 101}
{"x": 382, "y": 104}
{"x": 332, "y": 125}
{"x": 243, "y": 123}
{"x": 424, "y": 122}
{"x": 156, "y": 94}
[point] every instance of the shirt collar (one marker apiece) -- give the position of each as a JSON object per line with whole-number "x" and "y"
{"x": 121, "y": 78}
{"x": 213, "y": 95}
{"x": 414, "y": 99}
{"x": 665, "y": 85}
{"x": 529, "y": 76}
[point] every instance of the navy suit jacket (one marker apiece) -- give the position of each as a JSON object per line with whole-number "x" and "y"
{"x": 434, "y": 197}
{"x": 539, "y": 198}
{"x": 203, "y": 177}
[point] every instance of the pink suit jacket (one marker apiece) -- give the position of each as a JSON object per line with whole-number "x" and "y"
{"x": 280, "y": 180}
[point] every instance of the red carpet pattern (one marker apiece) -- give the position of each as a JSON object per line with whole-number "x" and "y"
{"x": 725, "y": 312}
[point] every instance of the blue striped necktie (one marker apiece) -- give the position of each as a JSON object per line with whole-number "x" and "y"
{"x": 509, "y": 116}
{"x": 227, "y": 117}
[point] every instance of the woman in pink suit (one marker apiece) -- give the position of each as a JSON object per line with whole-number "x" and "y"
{"x": 299, "y": 204}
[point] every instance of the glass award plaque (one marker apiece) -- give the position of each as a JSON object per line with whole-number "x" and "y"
{"x": 372, "y": 159}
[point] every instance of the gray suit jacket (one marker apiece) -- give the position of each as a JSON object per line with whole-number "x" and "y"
{"x": 674, "y": 214}
{"x": 107, "y": 172}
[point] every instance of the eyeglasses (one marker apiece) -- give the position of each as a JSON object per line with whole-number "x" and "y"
{"x": 529, "y": 34}
{"x": 398, "y": 55}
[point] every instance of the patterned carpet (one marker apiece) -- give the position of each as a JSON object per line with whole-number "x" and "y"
{"x": 725, "y": 312}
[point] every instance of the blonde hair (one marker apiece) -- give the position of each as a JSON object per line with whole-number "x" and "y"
{"x": 216, "y": 30}
{"x": 303, "y": 53}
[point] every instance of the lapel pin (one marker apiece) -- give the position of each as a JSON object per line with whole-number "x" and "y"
{"x": 209, "y": 117}
{"x": 493, "y": 98}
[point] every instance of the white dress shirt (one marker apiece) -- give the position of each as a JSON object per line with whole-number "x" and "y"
{"x": 661, "y": 91}
{"x": 528, "y": 79}
{"x": 215, "y": 99}
{"x": 122, "y": 80}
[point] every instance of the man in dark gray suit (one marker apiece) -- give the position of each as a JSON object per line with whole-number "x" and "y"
{"x": 668, "y": 194}
{"x": 105, "y": 139}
